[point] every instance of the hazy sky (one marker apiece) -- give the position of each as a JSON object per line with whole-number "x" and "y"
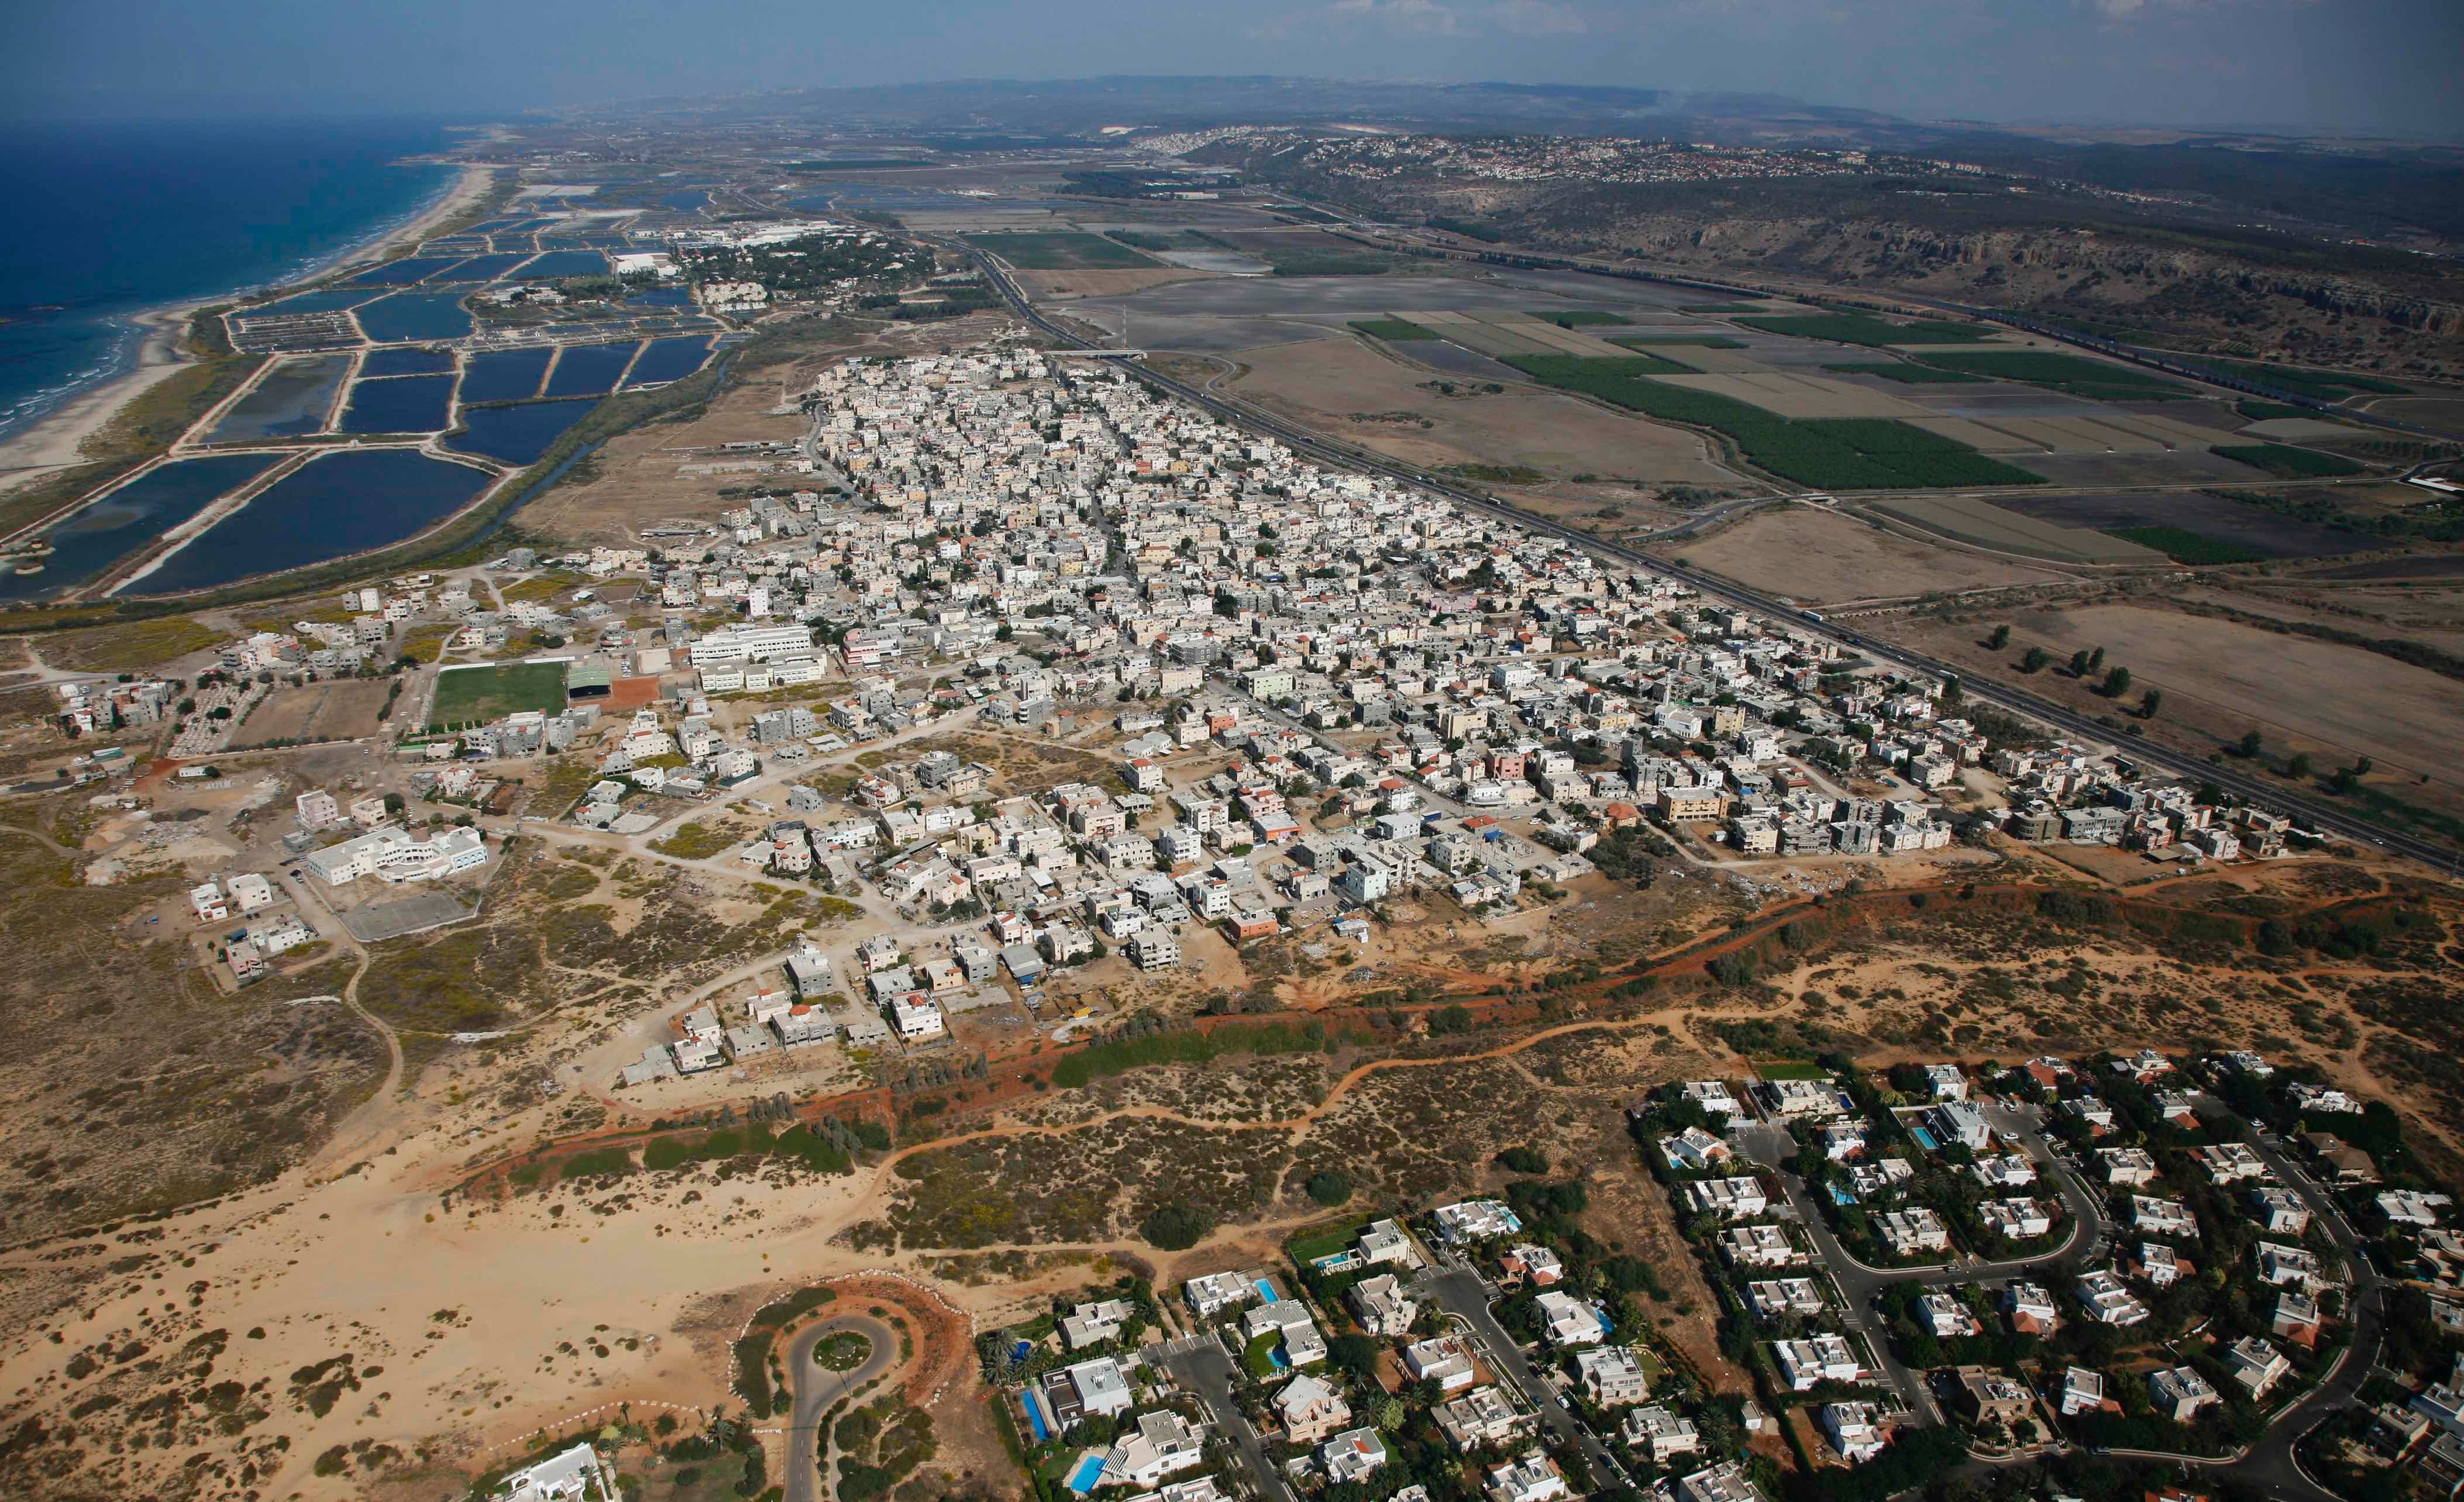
{"x": 2381, "y": 65}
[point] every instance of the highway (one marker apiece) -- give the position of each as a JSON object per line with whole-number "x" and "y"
{"x": 2266, "y": 792}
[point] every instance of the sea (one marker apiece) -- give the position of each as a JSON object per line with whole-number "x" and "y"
{"x": 111, "y": 220}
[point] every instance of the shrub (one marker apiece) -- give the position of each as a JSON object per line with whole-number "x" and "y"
{"x": 1330, "y": 1189}
{"x": 1524, "y": 1159}
{"x": 1176, "y": 1227}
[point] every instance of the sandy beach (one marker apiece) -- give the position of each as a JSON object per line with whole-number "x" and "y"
{"x": 57, "y": 441}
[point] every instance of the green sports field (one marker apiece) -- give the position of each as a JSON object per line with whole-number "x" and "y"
{"x": 478, "y": 695}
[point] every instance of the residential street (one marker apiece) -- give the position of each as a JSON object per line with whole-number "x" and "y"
{"x": 1200, "y": 1364}
{"x": 1466, "y": 1295}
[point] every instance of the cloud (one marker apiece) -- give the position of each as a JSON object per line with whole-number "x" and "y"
{"x": 1399, "y": 17}
{"x": 1435, "y": 18}
{"x": 2120, "y": 12}
{"x": 1537, "y": 18}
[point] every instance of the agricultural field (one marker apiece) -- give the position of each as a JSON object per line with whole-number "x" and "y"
{"x": 1858, "y": 328}
{"x": 1985, "y": 525}
{"x": 1348, "y": 388}
{"x": 1836, "y": 453}
{"x": 2235, "y": 526}
{"x": 476, "y": 695}
{"x": 2183, "y": 546}
{"x": 1820, "y": 558}
{"x": 1579, "y": 318}
{"x": 1905, "y": 374}
{"x": 1391, "y": 330}
{"x": 1646, "y": 342}
{"x": 2074, "y": 374}
{"x": 2222, "y": 678}
{"x": 1060, "y": 250}
{"x": 2286, "y": 462}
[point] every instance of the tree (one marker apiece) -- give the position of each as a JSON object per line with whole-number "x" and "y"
{"x": 1330, "y": 1189}
{"x": 2078, "y": 664}
{"x": 2096, "y": 660}
{"x": 2035, "y": 660}
{"x": 2151, "y": 702}
{"x": 2000, "y": 639}
{"x": 2117, "y": 681}
{"x": 1176, "y": 1227}
{"x": 2298, "y": 766}
{"x": 2250, "y": 744}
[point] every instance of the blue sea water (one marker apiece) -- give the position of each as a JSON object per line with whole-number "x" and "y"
{"x": 118, "y": 218}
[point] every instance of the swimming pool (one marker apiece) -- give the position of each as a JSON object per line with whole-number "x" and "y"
{"x": 1035, "y": 1416}
{"x": 1925, "y": 1139}
{"x": 1268, "y": 1291}
{"x": 1089, "y": 1470}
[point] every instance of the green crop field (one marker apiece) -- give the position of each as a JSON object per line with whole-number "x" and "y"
{"x": 1904, "y": 374}
{"x": 1857, "y": 328}
{"x": 1651, "y": 341}
{"x": 2183, "y": 546}
{"x": 1391, "y": 330}
{"x": 1581, "y": 316}
{"x": 2081, "y": 377}
{"x": 476, "y": 695}
{"x": 1060, "y": 250}
{"x": 2259, "y": 411}
{"x": 2324, "y": 385}
{"x": 1833, "y": 453}
{"x": 1723, "y": 307}
{"x": 2286, "y": 462}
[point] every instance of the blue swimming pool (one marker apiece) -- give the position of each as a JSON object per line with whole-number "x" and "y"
{"x": 1925, "y": 1139}
{"x": 1268, "y": 1291}
{"x": 1035, "y": 1416}
{"x": 1084, "y": 1476}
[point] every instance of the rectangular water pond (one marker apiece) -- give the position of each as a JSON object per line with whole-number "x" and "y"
{"x": 332, "y": 300}
{"x": 404, "y": 272}
{"x": 415, "y": 315}
{"x": 292, "y": 400}
{"x": 399, "y": 405}
{"x": 566, "y": 263}
{"x": 666, "y": 359}
{"x": 412, "y": 362}
{"x": 504, "y": 374}
{"x": 588, "y": 370}
{"x": 486, "y": 268}
{"x": 336, "y": 505}
{"x": 517, "y": 434}
{"x": 132, "y": 516}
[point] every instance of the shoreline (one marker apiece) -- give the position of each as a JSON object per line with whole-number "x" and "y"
{"x": 57, "y": 441}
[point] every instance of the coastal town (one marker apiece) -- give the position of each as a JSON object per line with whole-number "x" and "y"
{"x": 914, "y": 904}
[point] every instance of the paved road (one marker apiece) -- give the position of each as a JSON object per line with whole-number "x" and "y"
{"x": 1199, "y": 1363}
{"x": 1466, "y": 1295}
{"x": 2270, "y": 793}
{"x": 816, "y": 1389}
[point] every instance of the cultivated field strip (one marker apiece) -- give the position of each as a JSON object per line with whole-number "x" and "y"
{"x": 1989, "y": 526}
